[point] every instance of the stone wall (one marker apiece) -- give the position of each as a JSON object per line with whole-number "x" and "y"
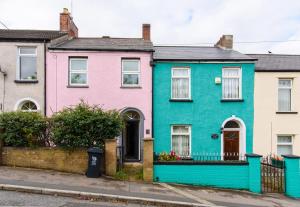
{"x": 74, "y": 161}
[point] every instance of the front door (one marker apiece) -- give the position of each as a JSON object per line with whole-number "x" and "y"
{"x": 132, "y": 140}
{"x": 231, "y": 145}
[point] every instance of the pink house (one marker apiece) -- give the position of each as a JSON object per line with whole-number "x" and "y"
{"x": 114, "y": 73}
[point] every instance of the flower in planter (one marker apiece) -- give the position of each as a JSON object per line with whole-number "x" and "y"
{"x": 168, "y": 156}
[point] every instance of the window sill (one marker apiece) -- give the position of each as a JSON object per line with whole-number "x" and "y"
{"x": 71, "y": 86}
{"x": 26, "y": 81}
{"x": 181, "y": 100}
{"x": 286, "y": 112}
{"x": 232, "y": 100}
{"x": 131, "y": 87}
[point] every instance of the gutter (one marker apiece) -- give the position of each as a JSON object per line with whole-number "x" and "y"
{"x": 203, "y": 60}
{"x": 104, "y": 49}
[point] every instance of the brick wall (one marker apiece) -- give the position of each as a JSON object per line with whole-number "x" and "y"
{"x": 46, "y": 158}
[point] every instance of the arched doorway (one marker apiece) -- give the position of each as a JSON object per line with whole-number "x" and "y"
{"x": 233, "y": 139}
{"x": 131, "y": 136}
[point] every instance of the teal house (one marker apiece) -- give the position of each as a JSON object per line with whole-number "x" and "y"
{"x": 203, "y": 101}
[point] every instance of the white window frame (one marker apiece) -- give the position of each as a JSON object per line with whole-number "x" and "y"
{"x": 291, "y": 89}
{"x": 78, "y": 71}
{"x": 240, "y": 82}
{"x": 18, "y": 75}
{"x": 131, "y": 72}
{"x": 285, "y": 143}
{"x": 189, "y": 133}
{"x": 186, "y": 77}
{"x": 20, "y": 102}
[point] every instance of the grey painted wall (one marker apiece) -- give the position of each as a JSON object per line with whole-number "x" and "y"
{"x": 14, "y": 92}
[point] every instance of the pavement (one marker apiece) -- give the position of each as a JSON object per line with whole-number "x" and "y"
{"x": 105, "y": 189}
{"x": 12, "y": 198}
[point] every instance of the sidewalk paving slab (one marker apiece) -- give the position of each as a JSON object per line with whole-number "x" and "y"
{"x": 57, "y": 183}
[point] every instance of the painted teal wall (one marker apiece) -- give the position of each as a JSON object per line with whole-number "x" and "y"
{"x": 292, "y": 176}
{"x": 206, "y": 113}
{"x": 254, "y": 173}
{"x": 225, "y": 176}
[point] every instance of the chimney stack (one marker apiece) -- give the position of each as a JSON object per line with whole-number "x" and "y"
{"x": 146, "y": 32}
{"x": 66, "y": 23}
{"x": 225, "y": 42}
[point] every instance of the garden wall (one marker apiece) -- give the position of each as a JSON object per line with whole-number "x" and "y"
{"x": 224, "y": 174}
{"x": 74, "y": 161}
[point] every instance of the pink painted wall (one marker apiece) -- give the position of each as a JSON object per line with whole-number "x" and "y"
{"x": 104, "y": 80}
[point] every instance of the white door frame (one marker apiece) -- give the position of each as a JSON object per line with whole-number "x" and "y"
{"x": 242, "y": 134}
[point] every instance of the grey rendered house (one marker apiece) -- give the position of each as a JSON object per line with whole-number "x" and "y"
{"x": 23, "y": 64}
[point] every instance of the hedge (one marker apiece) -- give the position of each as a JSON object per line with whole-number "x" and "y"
{"x": 81, "y": 126}
{"x": 22, "y": 129}
{"x": 85, "y": 126}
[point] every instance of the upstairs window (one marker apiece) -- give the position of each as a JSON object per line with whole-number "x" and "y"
{"x": 231, "y": 86}
{"x": 284, "y": 95}
{"x": 78, "y": 71}
{"x": 181, "y": 137}
{"x": 181, "y": 83}
{"x": 27, "y": 67}
{"x": 130, "y": 72}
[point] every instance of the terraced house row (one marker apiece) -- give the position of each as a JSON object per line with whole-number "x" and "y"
{"x": 192, "y": 100}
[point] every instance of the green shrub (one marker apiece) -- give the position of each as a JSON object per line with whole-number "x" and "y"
{"x": 85, "y": 126}
{"x": 22, "y": 129}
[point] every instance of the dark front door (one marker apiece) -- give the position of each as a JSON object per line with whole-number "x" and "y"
{"x": 231, "y": 145}
{"x": 132, "y": 140}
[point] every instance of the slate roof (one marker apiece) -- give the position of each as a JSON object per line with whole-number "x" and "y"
{"x": 105, "y": 44}
{"x": 197, "y": 53}
{"x": 276, "y": 63}
{"x": 29, "y": 35}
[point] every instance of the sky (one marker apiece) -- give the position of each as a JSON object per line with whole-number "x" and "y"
{"x": 258, "y": 26}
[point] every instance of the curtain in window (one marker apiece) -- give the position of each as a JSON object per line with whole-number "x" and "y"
{"x": 231, "y": 83}
{"x": 181, "y": 140}
{"x": 284, "y": 95}
{"x": 284, "y": 149}
{"x": 180, "y": 88}
{"x": 180, "y": 145}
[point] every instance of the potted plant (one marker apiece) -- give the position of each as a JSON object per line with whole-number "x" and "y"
{"x": 277, "y": 161}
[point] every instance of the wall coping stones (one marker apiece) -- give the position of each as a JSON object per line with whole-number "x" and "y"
{"x": 291, "y": 156}
{"x": 253, "y": 155}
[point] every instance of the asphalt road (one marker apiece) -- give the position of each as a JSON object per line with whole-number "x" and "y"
{"x": 11, "y": 198}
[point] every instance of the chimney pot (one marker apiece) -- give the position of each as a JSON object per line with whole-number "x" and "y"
{"x": 65, "y": 11}
{"x": 225, "y": 42}
{"x": 146, "y": 32}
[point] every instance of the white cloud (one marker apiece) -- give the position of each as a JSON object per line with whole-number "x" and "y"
{"x": 172, "y": 21}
